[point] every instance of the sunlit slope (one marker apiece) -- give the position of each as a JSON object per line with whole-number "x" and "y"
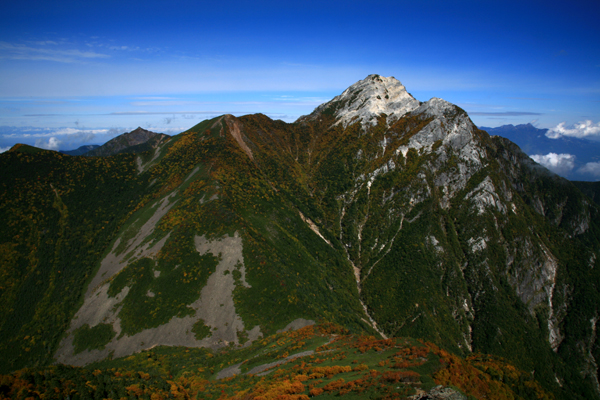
{"x": 215, "y": 256}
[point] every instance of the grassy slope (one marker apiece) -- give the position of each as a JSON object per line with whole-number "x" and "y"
{"x": 340, "y": 365}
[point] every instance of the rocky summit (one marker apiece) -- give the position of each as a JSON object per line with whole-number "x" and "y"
{"x": 393, "y": 220}
{"x": 366, "y": 100}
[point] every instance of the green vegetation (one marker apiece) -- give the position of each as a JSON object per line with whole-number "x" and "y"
{"x": 461, "y": 255}
{"x": 201, "y": 331}
{"x": 331, "y": 364}
{"x": 590, "y": 189}
{"x": 59, "y": 213}
{"x": 87, "y": 338}
{"x": 158, "y": 292}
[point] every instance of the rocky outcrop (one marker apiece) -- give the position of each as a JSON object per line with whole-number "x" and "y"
{"x": 439, "y": 393}
{"x": 366, "y": 100}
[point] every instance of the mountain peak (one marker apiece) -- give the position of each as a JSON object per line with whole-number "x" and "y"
{"x": 136, "y": 137}
{"x": 367, "y": 99}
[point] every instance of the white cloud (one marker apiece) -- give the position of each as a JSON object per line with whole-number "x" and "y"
{"x": 65, "y": 137}
{"x": 23, "y": 52}
{"x": 560, "y": 164}
{"x": 592, "y": 168}
{"x": 586, "y": 129}
{"x": 79, "y": 132}
{"x": 52, "y": 144}
{"x": 3, "y": 149}
{"x": 40, "y": 132}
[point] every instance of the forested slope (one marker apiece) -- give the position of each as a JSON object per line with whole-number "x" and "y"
{"x": 380, "y": 213}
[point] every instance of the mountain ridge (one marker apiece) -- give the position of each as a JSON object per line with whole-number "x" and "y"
{"x": 138, "y": 140}
{"x": 421, "y": 222}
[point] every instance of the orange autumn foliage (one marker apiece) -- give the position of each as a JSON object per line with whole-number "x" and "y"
{"x": 400, "y": 376}
{"x": 335, "y": 385}
{"x": 474, "y": 381}
{"x": 285, "y": 390}
{"x": 330, "y": 371}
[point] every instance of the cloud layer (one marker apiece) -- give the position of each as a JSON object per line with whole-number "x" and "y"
{"x": 561, "y": 164}
{"x": 591, "y": 168}
{"x": 586, "y": 129}
{"x": 52, "y": 144}
{"x": 64, "y": 138}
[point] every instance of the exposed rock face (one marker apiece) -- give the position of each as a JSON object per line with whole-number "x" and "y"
{"x": 214, "y": 307}
{"x": 234, "y": 129}
{"x": 368, "y": 99}
{"x": 440, "y": 393}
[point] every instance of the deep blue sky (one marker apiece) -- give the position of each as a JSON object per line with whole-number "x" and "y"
{"x": 74, "y": 72}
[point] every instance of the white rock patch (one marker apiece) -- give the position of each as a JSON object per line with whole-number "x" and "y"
{"x": 368, "y": 99}
{"x": 484, "y": 195}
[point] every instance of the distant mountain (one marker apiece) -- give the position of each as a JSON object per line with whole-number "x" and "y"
{"x": 81, "y": 150}
{"x": 533, "y": 141}
{"x": 388, "y": 216}
{"x": 136, "y": 141}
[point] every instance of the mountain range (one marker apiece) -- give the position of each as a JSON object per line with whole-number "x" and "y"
{"x": 379, "y": 213}
{"x": 572, "y": 154}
